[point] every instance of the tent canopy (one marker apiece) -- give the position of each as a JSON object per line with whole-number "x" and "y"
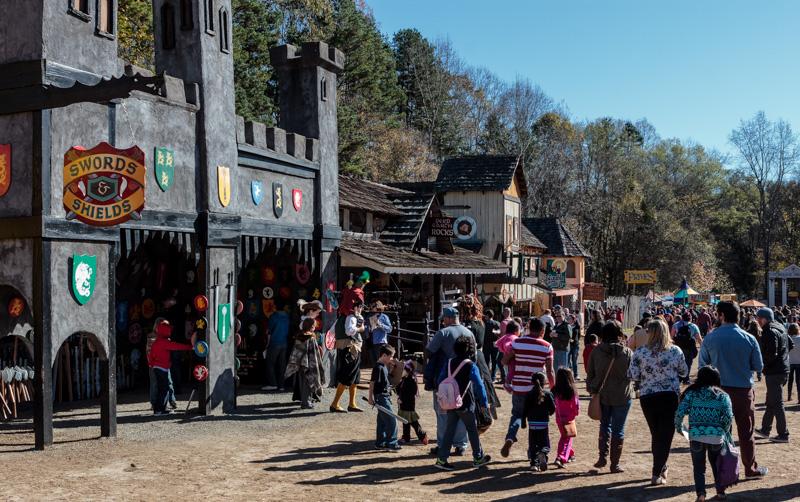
{"x": 685, "y": 291}
{"x": 752, "y": 303}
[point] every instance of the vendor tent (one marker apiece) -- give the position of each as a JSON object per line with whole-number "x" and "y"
{"x": 752, "y": 303}
{"x": 683, "y": 294}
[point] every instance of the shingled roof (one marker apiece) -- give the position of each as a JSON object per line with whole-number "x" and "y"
{"x": 555, "y": 236}
{"x": 478, "y": 173}
{"x": 403, "y": 230}
{"x": 369, "y": 196}
{"x": 528, "y": 239}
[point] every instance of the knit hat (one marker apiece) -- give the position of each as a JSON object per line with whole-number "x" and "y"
{"x": 766, "y": 313}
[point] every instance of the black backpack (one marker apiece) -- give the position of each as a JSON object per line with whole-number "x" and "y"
{"x": 684, "y": 339}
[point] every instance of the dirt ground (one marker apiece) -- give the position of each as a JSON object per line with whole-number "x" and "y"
{"x": 271, "y": 450}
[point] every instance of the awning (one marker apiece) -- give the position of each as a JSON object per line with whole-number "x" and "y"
{"x": 394, "y": 260}
{"x": 565, "y": 292}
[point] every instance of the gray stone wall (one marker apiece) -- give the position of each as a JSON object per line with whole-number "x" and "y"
{"x": 22, "y": 38}
{"x": 67, "y": 316}
{"x": 220, "y": 387}
{"x": 243, "y": 204}
{"x": 17, "y": 269}
{"x": 17, "y": 130}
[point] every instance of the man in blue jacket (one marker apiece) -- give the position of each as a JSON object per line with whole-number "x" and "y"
{"x": 736, "y": 354}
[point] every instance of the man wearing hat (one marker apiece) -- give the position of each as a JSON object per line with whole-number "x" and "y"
{"x": 440, "y": 350}
{"x": 775, "y": 347}
{"x": 379, "y": 327}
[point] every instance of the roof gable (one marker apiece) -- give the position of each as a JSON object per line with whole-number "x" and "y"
{"x": 478, "y": 173}
{"x": 555, "y": 236}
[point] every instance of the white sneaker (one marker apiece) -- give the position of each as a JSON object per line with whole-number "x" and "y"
{"x": 269, "y": 387}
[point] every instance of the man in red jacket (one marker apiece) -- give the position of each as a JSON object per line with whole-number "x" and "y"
{"x": 159, "y": 361}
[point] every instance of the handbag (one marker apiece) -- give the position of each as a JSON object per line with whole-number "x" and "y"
{"x": 595, "y": 411}
{"x": 727, "y": 466}
{"x": 571, "y": 429}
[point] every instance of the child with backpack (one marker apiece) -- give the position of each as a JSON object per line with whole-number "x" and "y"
{"x": 539, "y": 405}
{"x": 407, "y": 393}
{"x": 567, "y": 409}
{"x": 460, "y": 387}
{"x": 710, "y": 418}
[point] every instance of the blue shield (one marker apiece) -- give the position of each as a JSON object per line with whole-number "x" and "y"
{"x": 257, "y": 191}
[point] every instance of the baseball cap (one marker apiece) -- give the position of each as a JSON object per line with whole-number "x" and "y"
{"x": 449, "y": 312}
{"x": 766, "y": 313}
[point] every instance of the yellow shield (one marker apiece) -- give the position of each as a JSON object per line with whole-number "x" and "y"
{"x": 224, "y": 185}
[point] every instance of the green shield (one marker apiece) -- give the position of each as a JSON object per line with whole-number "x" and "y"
{"x": 165, "y": 167}
{"x": 223, "y": 322}
{"x": 84, "y": 277}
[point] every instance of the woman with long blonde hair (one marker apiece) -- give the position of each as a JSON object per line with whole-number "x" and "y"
{"x": 658, "y": 367}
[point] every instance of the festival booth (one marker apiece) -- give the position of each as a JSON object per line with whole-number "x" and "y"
{"x": 405, "y": 246}
{"x": 686, "y": 294}
{"x": 126, "y": 197}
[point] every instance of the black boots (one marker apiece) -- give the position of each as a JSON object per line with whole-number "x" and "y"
{"x": 616, "y": 453}
{"x": 602, "y": 448}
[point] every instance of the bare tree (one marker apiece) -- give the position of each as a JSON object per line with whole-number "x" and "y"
{"x": 523, "y": 103}
{"x": 768, "y": 153}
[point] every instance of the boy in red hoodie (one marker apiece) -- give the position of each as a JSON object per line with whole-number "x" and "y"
{"x": 159, "y": 361}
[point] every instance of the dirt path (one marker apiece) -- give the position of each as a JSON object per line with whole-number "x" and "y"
{"x": 270, "y": 450}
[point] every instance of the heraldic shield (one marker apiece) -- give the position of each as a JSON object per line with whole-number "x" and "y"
{"x": 257, "y": 192}
{"x": 165, "y": 168}
{"x": 83, "y": 277}
{"x": 224, "y": 185}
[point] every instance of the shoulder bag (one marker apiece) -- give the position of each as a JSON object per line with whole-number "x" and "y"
{"x": 595, "y": 411}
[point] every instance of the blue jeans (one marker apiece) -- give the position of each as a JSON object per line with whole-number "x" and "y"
{"x": 386, "y": 434}
{"x": 560, "y": 359}
{"x": 497, "y": 364}
{"x": 459, "y": 439}
{"x": 162, "y": 384}
{"x": 699, "y": 450}
{"x": 517, "y": 413}
{"x": 465, "y": 418}
{"x": 573, "y": 358}
{"x": 154, "y": 397}
{"x": 612, "y": 421}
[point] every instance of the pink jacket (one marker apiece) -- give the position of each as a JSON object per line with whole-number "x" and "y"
{"x": 567, "y": 409}
{"x": 503, "y": 344}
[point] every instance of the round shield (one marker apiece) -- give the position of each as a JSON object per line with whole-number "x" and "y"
{"x": 237, "y": 326}
{"x": 16, "y": 306}
{"x": 200, "y": 373}
{"x": 148, "y": 308}
{"x": 302, "y": 273}
{"x": 238, "y": 339}
{"x": 267, "y": 275}
{"x": 285, "y": 292}
{"x": 250, "y": 293}
{"x": 238, "y": 364}
{"x": 201, "y": 349}
{"x": 252, "y": 330}
{"x": 135, "y": 333}
{"x": 239, "y": 307}
{"x": 267, "y": 293}
{"x": 200, "y": 303}
{"x": 201, "y": 324}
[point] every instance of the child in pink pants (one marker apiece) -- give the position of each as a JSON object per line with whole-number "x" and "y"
{"x": 567, "y": 409}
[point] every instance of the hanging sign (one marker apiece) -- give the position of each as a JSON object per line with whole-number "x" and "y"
{"x": 297, "y": 199}
{"x": 442, "y": 227}
{"x": 257, "y": 192}
{"x": 465, "y": 227}
{"x": 277, "y": 199}
{"x": 5, "y": 169}
{"x": 84, "y": 274}
{"x": 223, "y": 322}
{"x": 555, "y": 280}
{"x": 224, "y": 185}
{"x": 640, "y": 277}
{"x": 594, "y": 292}
{"x": 165, "y": 168}
{"x": 104, "y": 186}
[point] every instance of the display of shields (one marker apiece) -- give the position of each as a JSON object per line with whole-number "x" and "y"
{"x": 201, "y": 349}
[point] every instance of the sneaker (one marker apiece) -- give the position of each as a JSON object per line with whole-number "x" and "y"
{"x": 761, "y": 433}
{"x": 380, "y": 446}
{"x": 658, "y": 480}
{"x": 780, "y": 438}
{"x": 506, "y": 449}
{"x": 173, "y": 404}
{"x": 571, "y": 459}
{"x": 269, "y": 387}
{"x": 162, "y": 413}
{"x": 559, "y": 463}
{"x": 535, "y": 468}
{"x": 541, "y": 459}
{"x": 480, "y": 462}
{"x": 760, "y": 472}
{"x": 393, "y": 447}
{"x": 459, "y": 452}
{"x": 444, "y": 465}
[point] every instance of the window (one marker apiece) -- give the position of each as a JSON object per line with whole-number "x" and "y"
{"x": 167, "y": 26}
{"x": 358, "y": 222}
{"x": 224, "y": 37}
{"x": 323, "y": 89}
{"x": 210, "y": 17}
{"x": 571, "y": 269}
{"x": 105, "y": 17}
{"x": 79, "y": 9}
{"x": 187, "y": 23}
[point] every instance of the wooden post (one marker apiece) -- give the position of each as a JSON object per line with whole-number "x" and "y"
{"x": 43, "y": 357}
{"x": 108, "y": 366}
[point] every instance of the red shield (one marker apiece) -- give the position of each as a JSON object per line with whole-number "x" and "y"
{"x": 297, "y": 199}
{"x": 5, "y": 168}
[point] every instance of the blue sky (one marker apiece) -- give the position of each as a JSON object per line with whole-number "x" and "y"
{"x": 692, "y": 68}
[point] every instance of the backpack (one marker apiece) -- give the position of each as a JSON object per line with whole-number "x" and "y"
{"x": 448, "y": 395}
{"x": 684, "y": 339}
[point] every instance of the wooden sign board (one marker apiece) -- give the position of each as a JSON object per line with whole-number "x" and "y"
{"x": 594, "y": 292}
{"x": 442, "y": 227}
{"x": 640, "y": 277}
